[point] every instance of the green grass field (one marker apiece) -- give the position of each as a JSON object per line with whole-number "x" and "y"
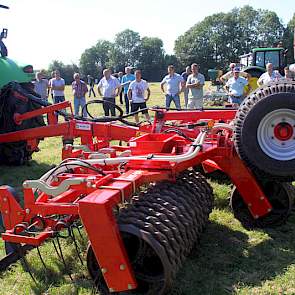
{"x": 228, "y": 260}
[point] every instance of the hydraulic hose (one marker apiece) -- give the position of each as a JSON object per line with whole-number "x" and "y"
{"x": 191, "y": 153}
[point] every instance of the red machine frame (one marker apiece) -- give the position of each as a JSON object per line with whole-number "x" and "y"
{"x": 103, "y": 192}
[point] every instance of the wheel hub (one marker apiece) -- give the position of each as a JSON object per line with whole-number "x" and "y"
{"x": 283, "y": 131}
{"x": 275, "y": 134}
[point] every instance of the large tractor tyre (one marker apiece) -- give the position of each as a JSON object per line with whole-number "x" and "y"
{"x": 159, "y": 229}
{"x": 265, "y": 131}
{"x": 279, "y": 194}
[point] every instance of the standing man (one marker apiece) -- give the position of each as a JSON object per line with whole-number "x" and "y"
{"x": 57, "y": 88}
{"x": 109, "y": 87}
{"x": 90, "y": 81}
{"x": 235, "y": 88}
{"x": 185, "y": 75}
{"x": 288, "y": 74}
{"x": 50, "y": 85}
{"x": 195, "y": 82}
{"x": 136, "y": 94}
{"x": 269, "y": 76}
{"x": 126, "y": 79}
{"x": 41, "y": 86}
{"x": 79, "y": 88}
{"x": 175, "y": 85}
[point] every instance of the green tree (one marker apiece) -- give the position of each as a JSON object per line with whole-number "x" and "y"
{"x": 94, "y": 59}
{"x": 126, "y": 50}
{"x": 151, "y": 58}
{"x": 220, "y": 38}
{"x": 288, "y": 39}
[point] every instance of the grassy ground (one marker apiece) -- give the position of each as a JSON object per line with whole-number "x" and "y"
{"x": 228, "y": 260}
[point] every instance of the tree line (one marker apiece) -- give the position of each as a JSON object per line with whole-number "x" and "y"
{"x": 213, "y": 43}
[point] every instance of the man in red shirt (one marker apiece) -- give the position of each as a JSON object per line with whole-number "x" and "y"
{"x": 79, "y": 88}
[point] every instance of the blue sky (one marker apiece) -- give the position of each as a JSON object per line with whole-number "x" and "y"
{"x": 43, "y": 30}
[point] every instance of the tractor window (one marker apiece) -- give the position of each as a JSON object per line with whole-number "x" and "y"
{"x": 260, "y": 59}
{"x": 272, "y": 57}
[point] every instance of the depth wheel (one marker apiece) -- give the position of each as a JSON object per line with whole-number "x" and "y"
{"x": 265, "y": 131}
{"x": 279, "y": 194}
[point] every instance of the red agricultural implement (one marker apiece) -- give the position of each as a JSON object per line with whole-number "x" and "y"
{"x": 142, "y": 205}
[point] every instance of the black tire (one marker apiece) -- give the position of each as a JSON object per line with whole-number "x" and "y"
{"x": 279, "y": 194}
{"x": 159, "y": 229}
{"x": 258, "y": 151}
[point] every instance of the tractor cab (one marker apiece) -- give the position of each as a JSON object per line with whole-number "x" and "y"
{"x": 255, "y": 62}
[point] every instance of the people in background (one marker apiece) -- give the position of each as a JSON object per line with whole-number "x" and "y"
{"x": 195, "y": 83}
{"x": 235, "y": 87}
{"x": 41, "y": 85}
{"x": 288, "y": 74}
{"x": 90, "y": 82}
{"x": 136, "y": 95}
{"x": 269, "y": 76}
{"x": 174, "y": 86}
{"x": 58, "y": 87}
{"x": 120, "y": 78}
{"x": 109, "y": 87}
{"x": 185, "y": 75}
{"x": 126, "y": 79}
{"x": 224, "y": 78}
{"x": 79, "y": 89}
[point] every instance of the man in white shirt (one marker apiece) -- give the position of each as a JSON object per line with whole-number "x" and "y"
{"x": 175, "y": 85}
{"x": 235, "y": 87}
{"x": 269, "y": 76}
{"x": 136, "y": 94}
{"x": 41, "y": 86}
{"x": 109, "y": 87}
{"x": 58, "y": 87}
{"x": 195, "y": 83}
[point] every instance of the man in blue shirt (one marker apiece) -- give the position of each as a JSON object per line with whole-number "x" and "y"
{"x": 126, "y": 79}
{"x": 175, "y": 85}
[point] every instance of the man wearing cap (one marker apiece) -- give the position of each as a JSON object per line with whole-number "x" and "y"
{"x": 230, "y": 74}
{"x": 125, "y": 82}
{"x": 235, "y": 87}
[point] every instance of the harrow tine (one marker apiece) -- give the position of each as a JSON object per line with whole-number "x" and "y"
{"x": 62, "y": 258}
{"x": 41, "y": 258}
{"x": 78, "y": 228}
{"x": 72, "y": 234}
{"x": 25, "y": 263}
{"x": 55, "y": 248}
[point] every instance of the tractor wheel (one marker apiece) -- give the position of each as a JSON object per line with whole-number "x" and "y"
{"x": 265, "y": 131}
{"x": 9, "y": 247}
{"x": 13, "y": 153}
{"x": 279, "y": 194}
{"x": 159, "y": 229}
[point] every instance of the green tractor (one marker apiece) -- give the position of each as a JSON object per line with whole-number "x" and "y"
{"x": 254, "y": 63}
{"x": 9, "y": 69}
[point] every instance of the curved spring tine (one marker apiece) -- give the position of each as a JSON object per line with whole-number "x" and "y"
{"x": 54, "y": 245}
{"x": 25, "y": 263}
{"x": 62, "y": 258}
{"x": 41, "y": 258}
{"x": 75, "y": 243}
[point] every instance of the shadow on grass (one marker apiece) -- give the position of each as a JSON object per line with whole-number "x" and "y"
{"x": 225, "y": 259}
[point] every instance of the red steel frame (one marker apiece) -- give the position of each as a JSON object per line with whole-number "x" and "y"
{"x": 104, "y": 192}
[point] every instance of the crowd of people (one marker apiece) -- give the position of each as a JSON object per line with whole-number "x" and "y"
{"x": 134, "y": 92}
